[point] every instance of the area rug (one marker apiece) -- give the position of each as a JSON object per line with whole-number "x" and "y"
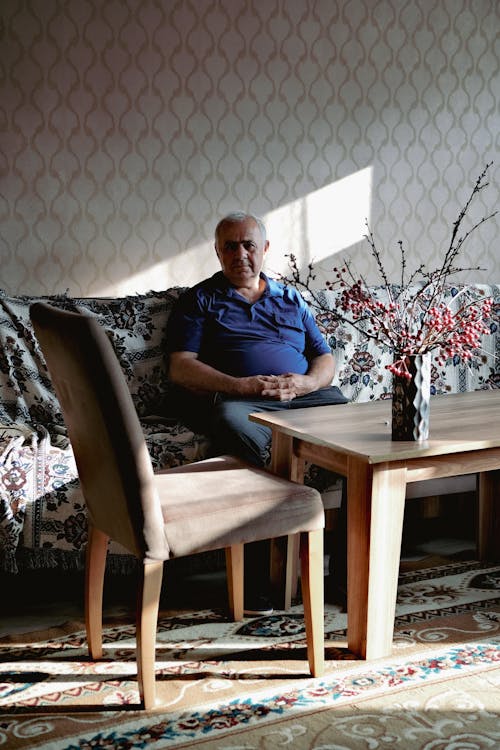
{"x": 245, "y": 685}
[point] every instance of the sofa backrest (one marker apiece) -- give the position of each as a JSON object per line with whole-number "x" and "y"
{"x": 136, "y": 326}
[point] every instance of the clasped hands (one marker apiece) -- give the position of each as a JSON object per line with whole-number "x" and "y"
{"x": 285, "y": 387}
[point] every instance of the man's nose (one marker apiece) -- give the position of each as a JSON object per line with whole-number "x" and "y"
{"x": 240, "y": 250}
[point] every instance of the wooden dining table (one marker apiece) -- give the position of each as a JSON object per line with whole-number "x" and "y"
{"x": 354, "y": 440}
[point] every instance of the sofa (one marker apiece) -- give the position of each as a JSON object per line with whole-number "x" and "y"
{"x": 42, "y": 510}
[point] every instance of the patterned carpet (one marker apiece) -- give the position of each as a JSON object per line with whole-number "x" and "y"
{"x": 245, "y": 685}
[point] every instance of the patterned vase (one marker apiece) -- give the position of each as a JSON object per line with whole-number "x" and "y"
{"x": 411, "y": 399}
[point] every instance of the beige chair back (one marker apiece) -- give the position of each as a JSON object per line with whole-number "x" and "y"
{"x": 112, "y": 459}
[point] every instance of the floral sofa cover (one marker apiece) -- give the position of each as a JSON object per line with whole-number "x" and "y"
{"x": 42, "y": 511}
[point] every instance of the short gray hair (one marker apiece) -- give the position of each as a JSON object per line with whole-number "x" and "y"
{"x": 235, "y": 217}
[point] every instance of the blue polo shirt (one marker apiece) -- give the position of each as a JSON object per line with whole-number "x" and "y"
{"x": 274, "y": 335}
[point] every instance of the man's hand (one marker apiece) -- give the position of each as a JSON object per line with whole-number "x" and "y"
{"x": 290, "y": 385}
{"x": 287, "y": 386}
{"x": 276, "y": 387}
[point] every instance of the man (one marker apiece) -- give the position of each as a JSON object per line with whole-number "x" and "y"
{"x": 240, "y": 342}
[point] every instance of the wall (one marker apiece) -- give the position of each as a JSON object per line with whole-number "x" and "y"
{"x": 128, "y": 127}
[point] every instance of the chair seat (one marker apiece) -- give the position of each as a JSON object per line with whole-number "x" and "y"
{"x": 222, "y": 501}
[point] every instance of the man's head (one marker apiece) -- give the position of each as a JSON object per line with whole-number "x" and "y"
{"x": 241, "y": 244}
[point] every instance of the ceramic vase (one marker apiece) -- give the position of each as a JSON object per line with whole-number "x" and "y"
{"x": 411, "y": 399}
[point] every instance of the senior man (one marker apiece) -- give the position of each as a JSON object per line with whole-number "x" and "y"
{"x": 240, "y": 342}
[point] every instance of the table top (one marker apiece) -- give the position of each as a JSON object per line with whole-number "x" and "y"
{"x": 458, "y": 423}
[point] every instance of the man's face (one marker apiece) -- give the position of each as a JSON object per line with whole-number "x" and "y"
{"x": 241, "y": 249}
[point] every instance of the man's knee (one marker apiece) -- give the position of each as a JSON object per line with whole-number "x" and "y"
{"x": 232, "y": 413}
{"x": 234, "y": 431}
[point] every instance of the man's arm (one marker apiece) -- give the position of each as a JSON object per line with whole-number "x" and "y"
{"x": 321, "y": 370}
{"x": 189, "y": 372}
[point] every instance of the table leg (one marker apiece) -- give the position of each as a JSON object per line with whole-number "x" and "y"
{"x": 281, "y": 454}
{"x": 488, "y": 542}
{"x": 375, "y": 511}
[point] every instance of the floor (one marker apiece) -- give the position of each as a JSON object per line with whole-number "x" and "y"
{"x": 51, "y": 597}
{"x": 39, "y": 599}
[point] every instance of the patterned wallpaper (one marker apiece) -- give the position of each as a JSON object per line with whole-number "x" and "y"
{"x": 128, "y": 127}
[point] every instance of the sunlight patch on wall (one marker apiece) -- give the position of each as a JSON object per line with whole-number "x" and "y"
{"x": 152, "y": 278}
{"x": 321, "y": 225}
{"x": 185, "y": 269}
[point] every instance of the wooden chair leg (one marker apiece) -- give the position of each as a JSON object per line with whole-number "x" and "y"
{"x": 292, "y": 572}
{"x": 311, "y": 560}
{"x": 95, "y": 566}
{"x": 147, "y": 623}
{"x": 234, "y": 573}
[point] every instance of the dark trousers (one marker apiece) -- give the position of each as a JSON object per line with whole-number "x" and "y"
{"x": 234, "y": 433}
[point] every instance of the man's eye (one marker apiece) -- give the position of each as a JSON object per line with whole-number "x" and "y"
{"x": 233, "y": 246}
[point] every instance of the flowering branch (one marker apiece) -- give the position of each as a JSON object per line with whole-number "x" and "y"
{"x": 412, "y": 317}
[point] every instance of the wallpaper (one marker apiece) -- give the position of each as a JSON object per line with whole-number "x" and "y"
{"x": 129, "y": 127}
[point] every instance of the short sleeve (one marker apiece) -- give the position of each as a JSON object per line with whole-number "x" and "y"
{"x": 186, "y": 324}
